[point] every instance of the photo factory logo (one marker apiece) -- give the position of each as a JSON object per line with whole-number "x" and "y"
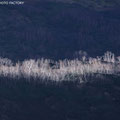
{"x": 12, "y": 2}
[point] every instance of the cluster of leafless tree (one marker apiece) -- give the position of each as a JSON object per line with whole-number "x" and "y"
{"x": 62, "y": 69}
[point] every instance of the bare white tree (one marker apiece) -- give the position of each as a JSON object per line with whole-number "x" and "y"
{"x": 109, "y": 57}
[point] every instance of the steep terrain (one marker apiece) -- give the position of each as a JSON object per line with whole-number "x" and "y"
{"x": 98, "y": 99}
{"x": 57, "y": 30}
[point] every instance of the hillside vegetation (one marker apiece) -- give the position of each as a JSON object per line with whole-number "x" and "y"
{"x": 80, "y": 68}
{"x": 28, "y": 100}
{"x": 56, "y": 30}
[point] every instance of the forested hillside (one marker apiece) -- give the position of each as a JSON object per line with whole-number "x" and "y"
{"x": 24, "y": 100}
{"x": 78, "y": 87}
{"x": 57, "y": 30}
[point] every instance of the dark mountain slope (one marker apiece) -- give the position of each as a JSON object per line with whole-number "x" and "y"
{"x": 96, "y": 100}
{"x": 56, "y": 30}
{"x": 99, "y": 5}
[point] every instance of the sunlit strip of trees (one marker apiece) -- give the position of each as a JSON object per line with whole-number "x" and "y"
{"x": 62, "y": 69}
